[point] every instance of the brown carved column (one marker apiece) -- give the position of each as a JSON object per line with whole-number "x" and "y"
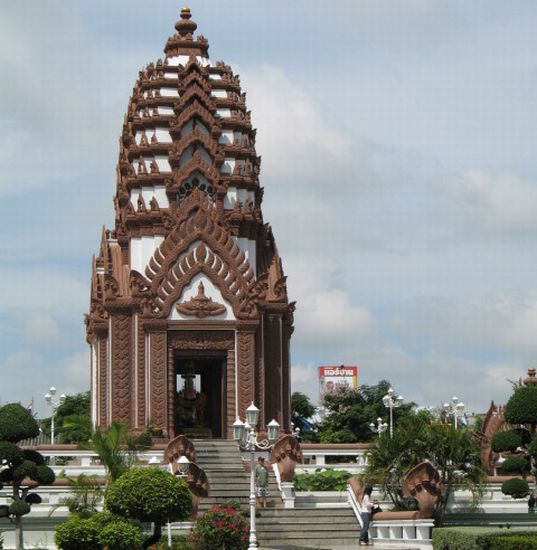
{"x": 171, "y": 391}
{"x": 273, "y": 368}
{"x": 158, "y": 406}
{"x": 102, "y": 381}
{"x": 230, "y": 391}
{"x": 245, "y": 369}
{"x": 260, "y": 377}
{"x": 121, "y": 366}
{"x": 286, "y": 377}
{"x": 140, "y": 375}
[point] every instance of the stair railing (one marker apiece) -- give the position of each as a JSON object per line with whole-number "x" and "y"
{"x": 276, "y": 471}
{"x": 355, "y": 505}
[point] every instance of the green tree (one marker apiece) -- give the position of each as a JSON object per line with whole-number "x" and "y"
{"x": 149, "y": 495}
{"x": 453, "y": 452}
{"x": 519, "y": 440}
{"x": 17, "y": 424}
{"x": 301, "y": 412}
{"x": 72, "y": 419}
{"x": 349, "y": 413}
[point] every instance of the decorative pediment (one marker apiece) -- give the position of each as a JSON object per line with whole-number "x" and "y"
{"x": 200, "y": 244}
{"x": 201, "y": 306}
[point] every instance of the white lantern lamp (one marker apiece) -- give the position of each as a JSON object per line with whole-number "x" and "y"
{"x": 238, "y": 430}
{"x": 252, "y": 415}
{"x": 183, "y": 465}
{"x": 273, "y": 428}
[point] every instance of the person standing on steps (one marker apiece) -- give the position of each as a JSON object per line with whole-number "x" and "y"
{"x": 366, "y": 506}
{"x": 261, "y": 482}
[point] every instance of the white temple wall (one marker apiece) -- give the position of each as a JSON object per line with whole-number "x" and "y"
{"x": 183, "y": 60}
{"x": 148, "y": 192}
{"x": 249, "y": 248}
{"x": 141, "y": 250}
{"x": 233, "y": 194}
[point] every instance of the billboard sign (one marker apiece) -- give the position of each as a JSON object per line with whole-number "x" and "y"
{"x": 334, "y": 378}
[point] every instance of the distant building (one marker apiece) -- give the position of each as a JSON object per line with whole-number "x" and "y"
{"x": 189, "y": 317}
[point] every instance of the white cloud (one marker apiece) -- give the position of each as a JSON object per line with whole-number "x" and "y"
{"x": 74, "y": 372}
{"x": 325, "y": 314}
{"x": 44, "y": 289}
{"x": 41, "y": 328}
{"x": 491, "y": 201}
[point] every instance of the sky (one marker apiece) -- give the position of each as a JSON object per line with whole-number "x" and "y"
{"x": 397, "y": 141}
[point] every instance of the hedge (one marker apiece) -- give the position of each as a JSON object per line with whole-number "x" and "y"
{"x": 513, "y": 542}
{"x": 481, "y": 538}
{"x": 322, "y": 480}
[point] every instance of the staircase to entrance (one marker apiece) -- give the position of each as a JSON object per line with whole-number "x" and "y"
{"x": 277, "y": 527}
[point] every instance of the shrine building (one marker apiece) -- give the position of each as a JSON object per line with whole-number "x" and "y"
{"x": 189, "y": 318}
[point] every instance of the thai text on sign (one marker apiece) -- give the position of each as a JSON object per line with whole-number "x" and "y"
{"x": 334, "y": 378}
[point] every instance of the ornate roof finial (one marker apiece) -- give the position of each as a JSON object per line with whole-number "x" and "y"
{"x": 530, "y": 380}
{"x": 185, "y": 27}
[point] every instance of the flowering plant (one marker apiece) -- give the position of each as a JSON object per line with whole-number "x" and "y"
{"x": 221, "y": 528}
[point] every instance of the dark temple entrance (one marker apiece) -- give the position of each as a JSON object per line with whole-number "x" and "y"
{"x": 200, "y": 382}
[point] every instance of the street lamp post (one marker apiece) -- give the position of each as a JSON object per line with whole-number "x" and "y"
{"x": 391, "y": 401}
{"x": 245, "y": 433}
{"x": 455, "y": 408}
{"x": 380, "y": 428}
{"x": 54, "y": 404}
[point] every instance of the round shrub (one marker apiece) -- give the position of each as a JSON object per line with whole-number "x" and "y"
{"x": 19, "y": 508}
{"x": 149, "y": 494}
{"x": 221, "y": 527}
{"x": 26, "y": 469}
{"x": 77, "y": 534}
{"x": 17, "y": 423}
{"x": 45, "y": 475}
{"x": 517, "y": 488}
{"x": 522, "y": 406}
{"x": 516, "y": 465}
{"x": 33, "y": 498}
{"x": 525, "y": 435}
{"x": 507, "y": 440}
{"x": 10, "y": 453}
{"x": 102, "y": 519}
{"x": 34, "y": 456}
{"x": 6, "y": 476}
{"x": 121, "y": 535}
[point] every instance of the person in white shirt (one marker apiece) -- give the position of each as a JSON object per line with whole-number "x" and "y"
{"x": 366, "y": 506}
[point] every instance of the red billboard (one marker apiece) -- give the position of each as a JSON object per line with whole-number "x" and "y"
{"x": 334, "y": 378}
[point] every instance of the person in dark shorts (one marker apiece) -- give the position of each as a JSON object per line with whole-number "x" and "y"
{"x": 261, "y": 482}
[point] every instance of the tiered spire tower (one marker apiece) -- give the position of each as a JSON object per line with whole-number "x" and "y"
{"x": 190, "y": 270}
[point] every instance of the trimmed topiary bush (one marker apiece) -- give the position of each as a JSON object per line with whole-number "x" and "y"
{"x": 221, "y": 527}
{"x": 17, "y": 424}
{"x": 517, "y": 488}
{"x": 121, "y": 535}
{"x": 507, "y": 440}
{"x": 77, "y": 534}
{"x": 518, "y": 464}
{"x": 149, "y": 495}
{"x": 522, "y": 406}
{"x": 98, "y": 531}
